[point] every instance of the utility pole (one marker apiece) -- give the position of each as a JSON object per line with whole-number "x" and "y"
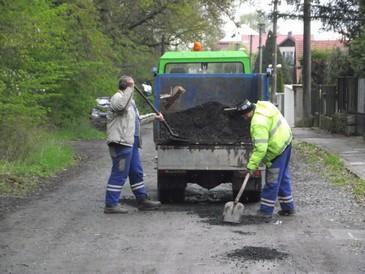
{"x": 307, "y": 70}
{"x": 261, "y": 27}
{"x": 275, "y": 50}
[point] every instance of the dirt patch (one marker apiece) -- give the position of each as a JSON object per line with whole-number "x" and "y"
{"x": 207, "y": 124}
{"x": 255, "y": 253}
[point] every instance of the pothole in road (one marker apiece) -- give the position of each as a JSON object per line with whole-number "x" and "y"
{"x": 213, "y": 215}
{"x": 256, "y": 253}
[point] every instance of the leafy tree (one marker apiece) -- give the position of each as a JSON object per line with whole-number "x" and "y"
{"x": 142, "y": 30}
{"x": 357, "y": 56}
{"x": 58, "y": 55}
{"x": 255, "y": 18}
{"x": 160, "y": 24}
{"x": 320, "y": 64}
{"x": 339, "y": 65}
{"x": 54, "y": 61}
{"x": 343, "y": 16}
{"x": 347, "y": 17}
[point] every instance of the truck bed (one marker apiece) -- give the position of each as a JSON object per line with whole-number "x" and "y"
{"x": 198, "y": 114}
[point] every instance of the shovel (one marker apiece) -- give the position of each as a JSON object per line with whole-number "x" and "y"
{"x": 175, "y": 136}
{"x": 233, "y": 211}
{"x": 169, "y": 99}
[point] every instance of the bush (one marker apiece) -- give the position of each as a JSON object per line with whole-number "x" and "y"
{"x": 18, "y": 124}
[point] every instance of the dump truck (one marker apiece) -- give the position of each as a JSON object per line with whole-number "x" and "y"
{"x": 193, "y": 89}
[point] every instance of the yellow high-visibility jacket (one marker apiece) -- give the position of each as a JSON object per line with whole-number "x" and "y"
{"x": 270, "y": 134}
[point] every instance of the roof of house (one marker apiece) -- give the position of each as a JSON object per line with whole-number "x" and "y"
{"x": 327, "y": 44}
{"x": 281, "y": 38}
{"x": 315, "y": 44}
{"x": 246, "y": 38}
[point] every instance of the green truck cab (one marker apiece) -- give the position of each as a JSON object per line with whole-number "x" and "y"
{"x": 217, "y": 144}
{"x": 196, "y": 62}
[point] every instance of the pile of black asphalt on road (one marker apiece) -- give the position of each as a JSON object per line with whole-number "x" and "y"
{"x": 206, "y": 124}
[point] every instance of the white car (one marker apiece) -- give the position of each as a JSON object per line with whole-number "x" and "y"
{"x": 98, "y": 114}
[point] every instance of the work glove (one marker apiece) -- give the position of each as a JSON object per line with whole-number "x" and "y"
{"x": 251, "y": 171}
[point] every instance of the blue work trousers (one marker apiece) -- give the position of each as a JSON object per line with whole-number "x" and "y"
{"x": 278, "y": 184}
{"x": 126, "y": 163}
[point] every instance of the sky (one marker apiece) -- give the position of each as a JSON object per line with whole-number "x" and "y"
{"x": 284, "y": 26}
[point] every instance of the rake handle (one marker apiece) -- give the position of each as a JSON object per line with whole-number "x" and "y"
{"x": 242, "y": 188}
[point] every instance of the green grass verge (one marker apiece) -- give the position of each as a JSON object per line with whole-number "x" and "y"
{"x": 81, "y": 131}
{"x": 49, "y": 154}
{"x": 332, "y": 167}
{"x": 18, "y": 178}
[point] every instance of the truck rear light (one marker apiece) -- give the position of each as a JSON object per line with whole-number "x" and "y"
{"x": 257, "y": 173}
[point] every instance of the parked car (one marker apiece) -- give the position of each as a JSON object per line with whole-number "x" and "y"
{"x": 98, "y": 115}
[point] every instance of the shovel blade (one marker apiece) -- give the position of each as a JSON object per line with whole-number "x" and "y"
{"x": 233, "y": 212}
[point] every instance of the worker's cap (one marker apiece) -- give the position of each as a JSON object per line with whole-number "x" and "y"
{"x": 245, "y": 107}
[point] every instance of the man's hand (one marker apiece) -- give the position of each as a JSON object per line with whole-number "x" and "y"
{"x": 251, "y": 171}
{"x": 159, "y": 117}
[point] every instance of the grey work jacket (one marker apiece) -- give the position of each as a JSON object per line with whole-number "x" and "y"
{"x": 121, "y": 118}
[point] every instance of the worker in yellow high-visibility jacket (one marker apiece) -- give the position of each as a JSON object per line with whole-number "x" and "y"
{"x": 271, "y": 136}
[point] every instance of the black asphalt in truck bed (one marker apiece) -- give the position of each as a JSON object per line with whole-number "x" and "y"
{"x": 207, "y": 124}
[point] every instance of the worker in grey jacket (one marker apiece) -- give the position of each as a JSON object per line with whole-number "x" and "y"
{"x": 123, "y": 138}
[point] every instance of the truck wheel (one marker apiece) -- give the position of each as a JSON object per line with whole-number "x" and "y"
{"x": 177, "y": 195}
{"x": 171, "y": 188}
{"x": 163, "y": 194}
{"x": 252, "y": 196}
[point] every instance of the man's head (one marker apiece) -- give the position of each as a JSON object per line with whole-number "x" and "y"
{"x": 125, "y": 81}
{"x": 246, "y": 109}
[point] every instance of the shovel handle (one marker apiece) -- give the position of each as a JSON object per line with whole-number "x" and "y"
{"x": 156, "y": 111}
{"x": 242, "y": 188}
{"x": 146, "y": 99}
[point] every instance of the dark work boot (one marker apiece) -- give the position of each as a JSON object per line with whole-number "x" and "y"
{"x": 286, "y": 212}
{"x": 263, "y": 216}
{"x": 118, "y": 209}
{"x": 147, "y": 204}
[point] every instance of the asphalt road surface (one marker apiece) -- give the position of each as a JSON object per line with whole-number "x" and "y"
{"x": 64, "y": 230}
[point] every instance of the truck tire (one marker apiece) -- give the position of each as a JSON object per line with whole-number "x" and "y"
{"x": 171, "y": 188}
